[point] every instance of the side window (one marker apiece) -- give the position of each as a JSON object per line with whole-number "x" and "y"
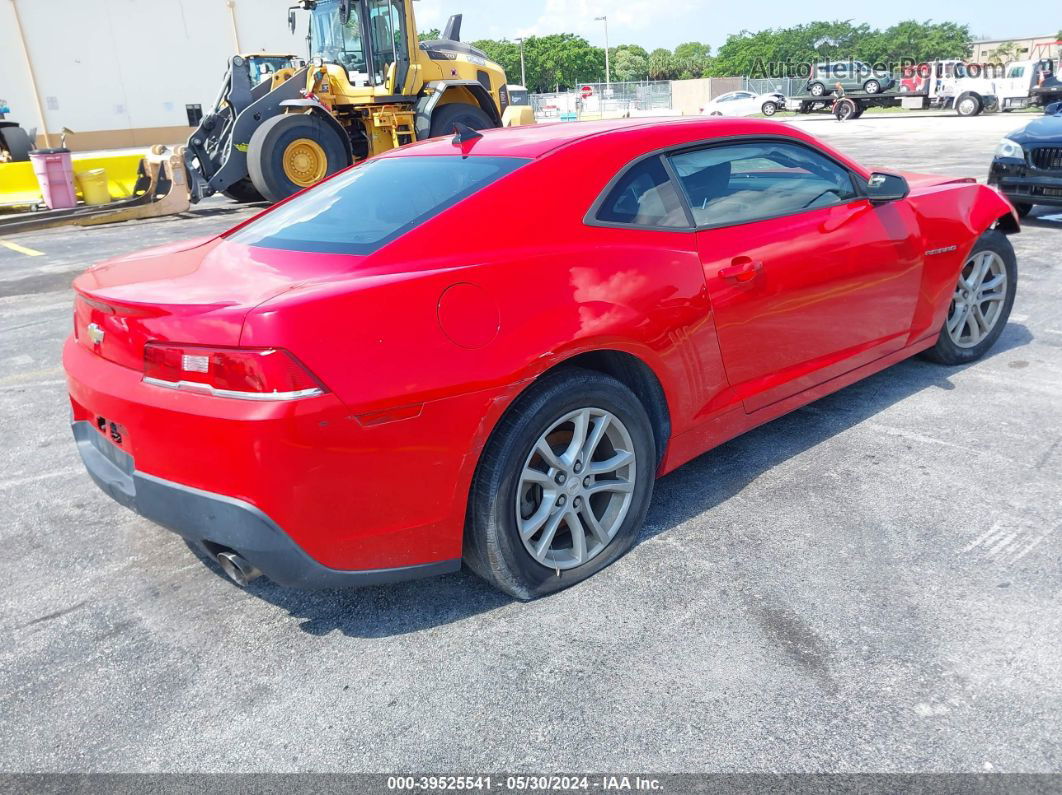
{"x": 644, "y": 196}
{"x": 748, "y": 182}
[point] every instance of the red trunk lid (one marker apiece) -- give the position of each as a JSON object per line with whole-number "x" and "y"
{"x": 199, "y": 291}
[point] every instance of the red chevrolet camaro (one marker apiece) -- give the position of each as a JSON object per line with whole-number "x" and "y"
{"x": 485, "y": 349}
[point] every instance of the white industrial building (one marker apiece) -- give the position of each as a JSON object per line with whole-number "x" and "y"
{"x": 123, "y": 72}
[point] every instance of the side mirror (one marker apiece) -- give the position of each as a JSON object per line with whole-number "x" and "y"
{"x": 291, "y": 20}
{"x": 1053, "y": 109}
{"x": 887, "y": 187}
{"x": 344, "y": 12}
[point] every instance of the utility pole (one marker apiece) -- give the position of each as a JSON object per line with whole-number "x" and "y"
{"x": 608, "y": 79}
{"x": 523, "y": 69}
{"x": 32, "y": 77}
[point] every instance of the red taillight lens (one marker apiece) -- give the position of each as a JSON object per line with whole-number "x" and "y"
{"x": 249, "y": 373}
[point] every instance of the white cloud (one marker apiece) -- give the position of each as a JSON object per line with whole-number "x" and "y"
{"x": 577, "y": 16}
{"x": 429, "y": 14}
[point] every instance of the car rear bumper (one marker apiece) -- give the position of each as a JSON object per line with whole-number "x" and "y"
{"x": 219, "y": 523}
{"x": 308, "y": 491}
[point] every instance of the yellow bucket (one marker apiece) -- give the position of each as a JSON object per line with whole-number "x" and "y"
{"x": 93, "y": 184}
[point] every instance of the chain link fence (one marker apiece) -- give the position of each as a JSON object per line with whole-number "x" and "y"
{"x": 601, "y": 99}
{"x": 652, "y": 98}
{"x": 790, "y": 86}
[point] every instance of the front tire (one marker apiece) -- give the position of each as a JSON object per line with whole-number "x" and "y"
{"x": 769, "y": 108}
{"x": 17, "y": 143}
{"x": 563, "y": 485}
{"x": 981, "y": 303}
{"x": 445, "y": 117}
{"x": 872, "y": 86}
{"x": 818, "y": 90}
{"x": 243, "y": 191}
{"x": 291, "y": 152}
{"x": 969, "y": 105}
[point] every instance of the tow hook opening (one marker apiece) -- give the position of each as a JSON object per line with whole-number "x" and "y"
{"x": 236, "y": 567}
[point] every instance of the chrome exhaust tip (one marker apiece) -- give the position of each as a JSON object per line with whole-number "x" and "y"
{"x": 237, "y": 568}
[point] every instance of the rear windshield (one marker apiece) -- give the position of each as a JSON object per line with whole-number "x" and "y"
{"x": 370, "y": 205}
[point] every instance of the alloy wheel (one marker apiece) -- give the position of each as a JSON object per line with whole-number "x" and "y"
{"x": 978, "y": 301}
{"x": 576, "y": 488}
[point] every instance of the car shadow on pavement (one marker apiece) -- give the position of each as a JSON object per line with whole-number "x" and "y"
{"x": 384, "y": 611}
{"x": 721, "y": 473}
{"x": 1048, "y": 218}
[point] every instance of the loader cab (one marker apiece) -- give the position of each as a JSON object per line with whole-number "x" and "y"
{"x": 368, "y": 38}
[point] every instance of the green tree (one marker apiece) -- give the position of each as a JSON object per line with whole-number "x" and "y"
{"x": 661, "y": 65}
{"x": 916, "y": 41}
{"x": 1007, "y": 51}
{"x": 765, "y": 53}
{"x": 554, "y": 62}
{"x": 629, "y": 62}
{"x": 505, "y": 53}
{"x": 432, "y": 34}
{"x": 692, "y": 59}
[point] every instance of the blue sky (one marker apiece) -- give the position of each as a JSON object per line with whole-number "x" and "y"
{"x": 665, "y": 23}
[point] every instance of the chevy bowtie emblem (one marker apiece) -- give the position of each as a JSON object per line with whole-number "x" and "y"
{"x": 95, "y": 333}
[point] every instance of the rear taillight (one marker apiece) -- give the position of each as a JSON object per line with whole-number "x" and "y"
{"x": 244, "y": 373}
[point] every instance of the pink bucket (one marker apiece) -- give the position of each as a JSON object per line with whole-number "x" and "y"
{"x": 55, "y": 173}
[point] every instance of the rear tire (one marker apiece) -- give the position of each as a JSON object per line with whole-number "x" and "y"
{"x": 291, "y": 152}
{"x": 445, "y": 117}
{"x": 514, "y": 484}
{"x": 17, "y": 143}
{"x": 972, "y": 326}
{"x": 845, "y": 109}
{"x": 243, "y": 191}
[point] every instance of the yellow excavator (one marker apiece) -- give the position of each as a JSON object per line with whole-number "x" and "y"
{"x": 370, "y": 85}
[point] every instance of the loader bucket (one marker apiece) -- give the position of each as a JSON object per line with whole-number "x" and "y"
{"x": 156, "y": 185}
{"x": 18, "y": 185}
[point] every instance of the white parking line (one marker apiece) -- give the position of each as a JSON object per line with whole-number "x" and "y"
{"x": 60, "y": 473}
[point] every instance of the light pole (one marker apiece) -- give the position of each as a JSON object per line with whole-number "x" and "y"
{"x": 523, "y": 70}
{"x": 608, "y": 80}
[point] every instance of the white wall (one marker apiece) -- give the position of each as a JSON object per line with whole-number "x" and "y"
{"x": 128, "y": 64}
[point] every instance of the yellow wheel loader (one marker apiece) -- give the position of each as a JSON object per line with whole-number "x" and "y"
{"x": 370, "y": 85}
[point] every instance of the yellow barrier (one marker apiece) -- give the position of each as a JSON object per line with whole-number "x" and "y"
{"x": 18, "y": 185}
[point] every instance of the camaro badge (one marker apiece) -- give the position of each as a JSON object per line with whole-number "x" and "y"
{"x": 95, "y": 333}
{"x": 944, "y": 250}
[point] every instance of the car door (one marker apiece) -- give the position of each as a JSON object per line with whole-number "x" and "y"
{"x": 724, "y": 104}
{"x": 743, "y": 104}
{"x": 807, "y": 279}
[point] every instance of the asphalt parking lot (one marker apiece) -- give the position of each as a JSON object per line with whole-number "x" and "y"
{"x": 869, "y": 584}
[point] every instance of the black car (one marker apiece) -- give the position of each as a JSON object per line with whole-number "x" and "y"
{"x": 1027, "y": 167}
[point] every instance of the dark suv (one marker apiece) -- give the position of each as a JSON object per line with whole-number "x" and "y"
{"x": 852, "y": 75}
{"x": 1027, "y": 166}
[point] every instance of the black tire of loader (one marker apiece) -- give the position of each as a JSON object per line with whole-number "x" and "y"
{"x": 265, "y": 152}
{"x": 244, "y": 192}
{"x": 17, "y": 143}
